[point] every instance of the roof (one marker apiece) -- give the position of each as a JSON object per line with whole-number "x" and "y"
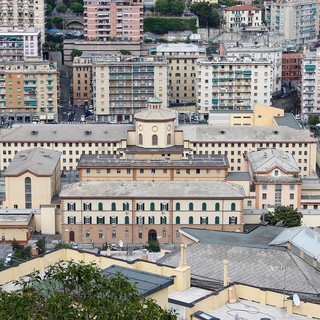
{"x": 66, "y": 133}
{"x": 93, "y": 160}
{"x": 151, "y": 114}
{"x": 238, "y": 176}
{"x": 145, "y": 282}
{"x": 243, "y": 134}
{"x": 138, "y": 149}
{"x": 17, "y": 218}
{"x": 268, "y": 159}
{"x": 251, "y": 266}
{"x": 149, "y": 189}
{"x": 259, "y": 237}
{"x": 154, "y": 100}
{"x": 177, "y": 47}
{"x": 41, "y": 162}
{"x": 242, "y": 8}
{"x": 304, "y": 238}
{"x": 287, "y": 120}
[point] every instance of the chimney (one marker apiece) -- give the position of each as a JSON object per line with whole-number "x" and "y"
{"x": 225, "y": 273}
{"x": 183, "y": 256}
{"x": 222, "y": 50}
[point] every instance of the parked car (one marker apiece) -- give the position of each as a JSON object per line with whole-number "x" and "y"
{"x": 8, "y": 259}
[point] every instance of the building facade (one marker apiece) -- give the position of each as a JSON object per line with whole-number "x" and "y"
{"x": 242, "y": 16}
{"x": 29, "y": 91}
{"x": 113, "y": 20}
{"x": 226, "y": 83}
{"x": 181, "y": 60}
{"x": 291, "y": 67}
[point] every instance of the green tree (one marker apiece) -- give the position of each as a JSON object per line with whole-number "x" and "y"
{"x": 78, "y": 291}
{"x": 41, "y": 244}
{"x": 125, "y": 52}
{"x": 207, "y": 14}
{"x": 61, "y": 8}
{"x": 162, "y": 6}
{"x": 76, "y": 7}
{"x": 313, "y": 119}
{"x": 285, "y": 215}
{"x": 153, "y": 246}
{"x": 170, "y": 7}
{"x": 49, "y": 8}
{"x": 75, "y": 53}
{"x": 20, "y": 252}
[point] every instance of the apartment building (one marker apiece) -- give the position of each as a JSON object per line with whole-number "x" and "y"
{"x": 181, "y": 59}
{"x": 227, "y": 83}
{"x": 123, "y": 85}
{"x": 310, "y": 93}
{"x": 242, "y": 16}
{"x": 291, "y": 67}
{"x": 297, "y": 21}
{"x": 272, "y": 53}
{"x": 23, "y": 14}
{"x": 113, "y": 20}
{"x": 29, "y": 91}
{"x": 19, "y": 44}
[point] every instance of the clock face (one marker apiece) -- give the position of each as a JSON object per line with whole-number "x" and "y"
{"x": 140, "y": 127}
{"x": 154, "y": 128}
{"x": 169, "y": 127}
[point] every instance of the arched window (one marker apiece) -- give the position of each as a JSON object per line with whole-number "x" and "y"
{"x": 87, "y": 233}
{"x": 169, "y": 138}
{"x": 126, "y": 220}
{"x": 217, "y": 220}
{"x": 217, "y": 206}
{"x": 100, "y": 234}
{"x": 190, "y": 206}
{"x": 152, "y": 206}
{"x": 27, "y": 193}
{"x": 178, "y": 206}
{"x": 204, "y": 206}
{"x": 140, "y": 138}
{"x": 233, "y": 206}
{"x": 154, "y": 140}
{"x": 177, "y": 220}
{"x": 100, "y": 206}
{"x": 113, "y": 206}
{"x": 190, "y": 220}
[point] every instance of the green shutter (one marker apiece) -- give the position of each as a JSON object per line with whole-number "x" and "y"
{"x": 74, "y": 219}
{"x": 97, "y": 220}
{"x": 110, "y": 220}
{"x": 90, "y": 220}
{"x": 68, "y": 220}
{"x": 116, "y": 220}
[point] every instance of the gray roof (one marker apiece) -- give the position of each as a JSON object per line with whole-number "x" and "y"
{"x": 241, "y": 134}
{"x": 154, "y": 100}
{"x": 66, "y": 133}
{"x": 302, "y": 237}
{"x": 268, "y": 159}
{"x": 149, "y": 189}
{"x": 287, "y": 120}
{"x": 247, "y": 265}
{"x": 93, "y": 160}
{"x": 259, "y": 237}
{"x": 137, "y": 149}
{"x": 151, "y": 114}
{"x": 15, "y": 219}
{"x": 145, "y": 282}
{"x": 41, "y": 162}
{"x": 238, "y": 176}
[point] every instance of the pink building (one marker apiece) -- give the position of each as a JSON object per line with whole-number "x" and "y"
{"x": 113, "y": 20}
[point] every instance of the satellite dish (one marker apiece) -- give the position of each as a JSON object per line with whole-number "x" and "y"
{"x": 296, "y": 300}
{"x": 120, "y": 243}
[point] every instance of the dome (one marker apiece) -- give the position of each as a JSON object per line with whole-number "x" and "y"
{"x": 155, "y": 115}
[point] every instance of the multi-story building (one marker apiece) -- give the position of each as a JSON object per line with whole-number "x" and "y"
{"x": 291, "y": 67}
{"x": 310, "y": 91}
{"x": 123, "y": 85}
{"x": 113, "y": 20}
{"x": 181, "y": 59}
{"x": 19, "y": 44}
{"x": 296, "y": 20}
{"x": 272, "y": 53}
{"x": 28, "y": 91}
{"x": 233, "y": 83}
{"x": 242, "y": 16}
{"x": 23, "y": 14}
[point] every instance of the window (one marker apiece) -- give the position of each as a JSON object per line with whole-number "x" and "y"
{"x": 169, "y": 138}
{"x": 217, "y": 206}
{"x": 292, "y": 186}
{"x": 204, "y": 206}
{"x": 100, "y": 220}
{"x": 264, "y": 196}
{"x": 87, "y": 234}
{"x": 151, "y": 220}
{"x": 249, "y": 203}
{"x": 140, "y": 138}
{"x": 100, "y": 206}
{"x": 140, "y": 206}
{"x": 204, "y": 220}
{"x": 113, "y": 220}
{"x": 113, "y": 234}
{"x": 126, "y": 233}
{"x": 190, "y": 220}
{"x": 141, "y": 170}
{"x": 198, "y": 171}
{"x": 177, "y": 220}
{"x": 190, "y": 206}
{"x": 164, "y": 206}
{"x": 126, "y": 220}
{"x": 177, "y": 234}
{"x": 113, "y": 206}
{"x": 164, "y": 233}
{"x": 87, "y": 206}
{"x": 233, "y": 206}
{"x": 101, "y": 234}
{"x": 140, "y": 220}
{"x": 71, "y": 206}
{"x": 72, "y": 220}
{"x": 163, "y": 220}
{"x": 233, "y": 220}
{"x": 152, "y": 206}
{"x": 154, "y": 140}
{"x": 87, "y": 220}
{"x": 291, "y": 196}
{"x": 178, "y": 206}
{"x": 140, "y": 234}
{"x": 27, "y": 193}
{"x": 217, "y": 220}
{"x": 276, "y": 173}
{"x": 264, "y": 187}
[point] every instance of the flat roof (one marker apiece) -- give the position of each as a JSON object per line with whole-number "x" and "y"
{"x": 152, "y": 189}
{"x": 145, "y": 282}
{"x": 288, "y": 120}
{"x": 238, "y": 176}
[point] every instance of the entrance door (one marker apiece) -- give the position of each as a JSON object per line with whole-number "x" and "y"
{"x": 152, "y": 235}
{"x": 71, "y": 236}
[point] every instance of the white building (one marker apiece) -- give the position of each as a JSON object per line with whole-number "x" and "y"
{"x": 242, "y": 16}
{"x": 227, "y": 83}
{"x": 296, "y": 20}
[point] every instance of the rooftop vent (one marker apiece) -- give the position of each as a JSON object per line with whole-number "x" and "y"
{"x": 222, "y": 132}
{"x": 87, "y": 132}
{"x": 34, "y": 132}
{"x": 276, "y": 132}
{"x": 54, "y": 132}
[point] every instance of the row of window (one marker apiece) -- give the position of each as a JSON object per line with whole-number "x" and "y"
{"x": 87, "y": 206}
{"x": 151, "y": 220}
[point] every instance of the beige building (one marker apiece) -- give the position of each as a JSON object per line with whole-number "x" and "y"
{"x": 29, "y": 91}
{"x": 181, "y": 59}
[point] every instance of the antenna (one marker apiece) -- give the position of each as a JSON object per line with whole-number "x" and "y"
{"x": 296, "y": 300}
